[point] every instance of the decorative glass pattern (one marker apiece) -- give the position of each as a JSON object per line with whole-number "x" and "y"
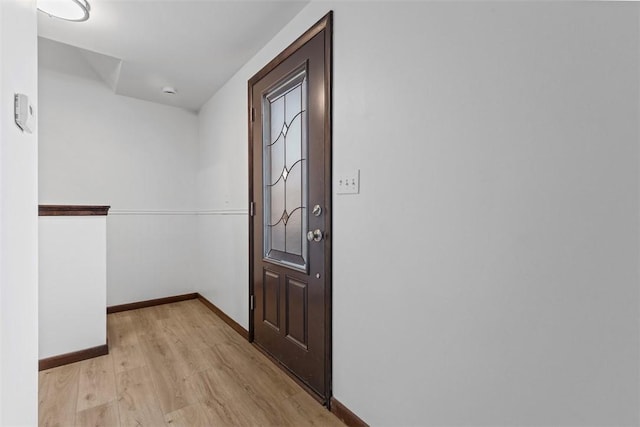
{"x": 285, "y": 171}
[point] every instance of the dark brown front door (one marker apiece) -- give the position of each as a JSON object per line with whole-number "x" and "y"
{"x": 290, "y": 195}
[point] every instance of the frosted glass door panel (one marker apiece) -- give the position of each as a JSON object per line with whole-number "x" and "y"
{"x": 285, "y": 171}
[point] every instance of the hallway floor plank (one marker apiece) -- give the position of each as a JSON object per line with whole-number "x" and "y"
{"x": 175, "y": 365}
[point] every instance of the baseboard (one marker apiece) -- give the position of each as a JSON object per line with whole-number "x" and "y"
{"x": 345, "y": 414}
{"x": 226, "y": 319}
{"x": 177, "y": 298}
{"x": 76, "y": 356}
{"x": 150, "y": 303}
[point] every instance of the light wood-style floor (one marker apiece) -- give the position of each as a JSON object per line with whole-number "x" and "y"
{"x": 175, "y": 365}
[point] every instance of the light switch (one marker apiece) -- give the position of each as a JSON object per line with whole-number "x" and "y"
{"x": 349, "y": 183}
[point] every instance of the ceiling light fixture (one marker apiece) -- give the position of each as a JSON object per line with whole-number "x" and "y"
{"x": 69, "y": 10}
{"x": 169, "y": 90}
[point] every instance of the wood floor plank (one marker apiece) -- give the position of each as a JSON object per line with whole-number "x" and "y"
{"x": 302, "y": 405}
{"x": 124, "y": 347}
{"x": 105, "y": 415}
{"x": 251, "y": 387}
{"x": 204, "y": 329}
{"x": 58, "y": 393}
{"x": 168, "y": 375}
{"x": 255, "y": 369}
{"x": 227, "y": 399}
{"x": 160, "y": 312}
{"x": 191, "y": 416}
{"x": 126, "y": 357}
{"x": 97, "y": 383}
{"x": 147, "y": 326}
{"x": 176, "y": 365}
{"x": 179, "y": 331}
{"x": 138, "y": 404}
{"x": 191, "y": 358}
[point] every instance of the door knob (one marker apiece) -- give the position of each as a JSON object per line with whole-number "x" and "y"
{"x": 314, "y": 236}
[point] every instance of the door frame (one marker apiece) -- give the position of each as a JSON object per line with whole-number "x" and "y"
{"x": 324, "y": 24}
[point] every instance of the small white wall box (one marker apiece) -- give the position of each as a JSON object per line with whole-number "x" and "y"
{"x": 24, "y": 113}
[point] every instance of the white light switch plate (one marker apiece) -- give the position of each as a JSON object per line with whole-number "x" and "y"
{"x": 349, "y": 183}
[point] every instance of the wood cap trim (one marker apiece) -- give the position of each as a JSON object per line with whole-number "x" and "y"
{"x": 72, "y": 210}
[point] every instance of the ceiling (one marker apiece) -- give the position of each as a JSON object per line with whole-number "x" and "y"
{"x": 140, "y": 46}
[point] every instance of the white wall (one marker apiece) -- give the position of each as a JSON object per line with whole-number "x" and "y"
{"x": 100, "y": 148}
{"x": 487, "y": 274}
{"x": 73, "y": 283}
{"x": 4, "y": 122}
{"x": 222, "y": 189}
{"x": 18, "y": 219}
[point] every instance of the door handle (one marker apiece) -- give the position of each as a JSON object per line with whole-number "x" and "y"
{"x": 314, "y": 236}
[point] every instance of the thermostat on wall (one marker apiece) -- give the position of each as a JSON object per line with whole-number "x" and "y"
{"x": 24, "y": 113}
